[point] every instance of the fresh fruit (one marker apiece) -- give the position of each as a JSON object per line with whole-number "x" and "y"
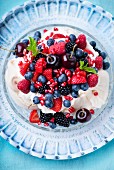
{"x": 82, "y": 41}
{"x": 45, "y": 117}
{"x": 36, "y": 100}
{"x": 50, "y": 42}
{"x": 83, "y": 115}
{"x": 57, "y": 104}
{"x": 64, "y": 90}
{"x": 25, "y": 41}
{"x": 67, "y": 103}
{"x": 19, "y": 49}
{"x": 57, "y": 49}
{"x": 35, "y": 76}
{"x": 49, "y": 103}
{"x": 28, "y": 75}
{"x": 74, "y": 94}
{"x": 92, "y": 80}
{"x": 76, "y": 79}
{"x": 37, "y": 34}
{"x": 40, "y": 64}
{"x": 49, "y": 96}
{"x": 42, "y": 89}
{"x": 106, "y": 65}
{"x": 79, "y": 53}
{"x": 42, "y": 79}
{"x": 84, "y": 86}
{"x": 76, "y": 88}
{"x": 72, "y": 37}
{"x": 62, "y": 78}
{"x": 32, "y": 88}
{"x": 103, "y": 55}
{"x": 24, "y": 86}
{"x": 48, "y": 73}
{"x": 39, "y": 47}
{"x": 93, "y": 44}
{"x": 99, "y": 62}
{"x": 57, "y": 94}
{"x": 23, "y": 68}
{"x": 73, "y": 121}
{"x": 34, "y": 117}
{"x": 61, "y": 120}
{"x": 69, "y": 46}
{"x": 32, "y": 67}
{"x": 56, "y": 36}
{"x": 53, "y": 61}
{"x": 68, "y": 61}
{"x": 38, "y": 56}
{"x": 53, "y": 125}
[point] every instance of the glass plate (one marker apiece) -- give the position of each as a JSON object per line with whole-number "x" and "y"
{"x": 61, "y": 143}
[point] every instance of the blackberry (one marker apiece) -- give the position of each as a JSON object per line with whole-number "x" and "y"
{"x": 42, "y": 89}
{"x": 61, "y": 120}
{"x": 40, "y": 55}
{"x": 64, "y": 90}
{"x": 45, "y": 117}
{"x": 69, "y": 46}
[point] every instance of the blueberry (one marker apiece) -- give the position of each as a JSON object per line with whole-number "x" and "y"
{"x": 48, "y": 103}
{"x": 55, "y": 79}
{"x": 103, "y": 55}
{"x": 85, "y": 54}
{"x": 50, "y": 42}
{"x": 106, "y": 65}
{"x": 84, "y": 86}
{"x": 32, "y": 67}
{"x": 53, "y": 125}
{"x": 75, "y": 88}
{"x": 36, "y": 100}
{"x": 25, "y": 41}
{"x": 73, "y": 121}
{"x": 93, "y": 44}
{"x": 62, "y": 78}
{"x": 49, "y": 96}
{"x": 57, "y": 94}
{"x": 72, "y": 37}
{"x": 67, "y": 103}
{"x": 39, "y": 47}
{"x": 42, "y": 79}
{"x": 28, "y": 75}
{"x": 32, "y": 88}
{"x": 74, "y": 94}
{"x": 79, "y": 53}
{"x": 36, "y": 38}
{"x": 37, "y": 34}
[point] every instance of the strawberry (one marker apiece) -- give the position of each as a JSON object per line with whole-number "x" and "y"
{"x": 46, "y": 50}
{"x": 82, "y": 41}
{"x": 57, "y": 104}
{"x": 23, "y": 68}
{"x": 40, "y": 64}
{"x": 24, "y": 86}
{"x": 58, "y": 48}
{"x": 99, "y": 62}
{"x": 77, "y": 79}
{"x": 81, "y": 73}
{"x": 48, "y": 73}
{"x": 92, "y": 80}
{"x": 34, "y": 117}
{"x": 35, "y": 76}
{"x": 56, "y": 36}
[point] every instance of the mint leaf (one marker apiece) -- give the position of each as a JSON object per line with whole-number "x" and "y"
{"x": 33, "y": 46}
{"x": 87, "y": 69}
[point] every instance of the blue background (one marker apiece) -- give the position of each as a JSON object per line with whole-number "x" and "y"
{"x": 13, "y": 159}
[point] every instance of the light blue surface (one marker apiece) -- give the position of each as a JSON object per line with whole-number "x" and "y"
{"x": 11, "y": 158}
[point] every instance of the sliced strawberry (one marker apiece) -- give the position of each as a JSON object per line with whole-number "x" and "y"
{"x": 23, "y": 68}
{"x": 76, "y": 79}
{"x": 48, "y": 73}
{"x": 81, "y": 73}
{"x": 56, "y": 36}
{"x": 34, "y": 117}
{"x": 57, "y": 104}
{"x": 40, "y": 64}
{"x": 36, "y": 74}
{"x": 88, "y": 51}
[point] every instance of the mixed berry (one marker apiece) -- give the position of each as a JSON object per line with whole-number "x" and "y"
{"x": 55, "y": 71}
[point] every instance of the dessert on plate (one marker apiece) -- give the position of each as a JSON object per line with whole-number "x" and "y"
{"x": 59, "y": 76}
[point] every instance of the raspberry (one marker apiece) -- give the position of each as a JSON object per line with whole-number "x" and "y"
{"x": 40, "y": 64}
{"x": 92, "y": 80}
{"x": 77, "y": 79}
{"x": 99, "y": 62}
{"x": 58, "y": 48}
{"x": 48, "y": 73}
{"x": 24, "y": 86}
{"x": 82, "y": 41}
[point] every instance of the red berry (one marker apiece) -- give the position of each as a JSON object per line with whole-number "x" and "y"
{"x": 57, "y": 104}
{"x": 46, "y": 124}
{"x": 58, "y": 48}
{"x": 99, "y": 62}
{"x": 40, "y": 64}
{"x": 68, "y": 98}
{"x": 56, "y": 36}
{"x": 23, "y": 68}
{"x": 24, "y": 86}
{"x": 35, "y": 76}
{"x": 34, "y": 118}
{"x": 45, "y": 30}
{"x": 56, "y": 29}
{"x": 48, "y": 73}
{"x": 47, "y": 38}
{"x": 67, "y": 115}
{"x": 71, "y": 109}
{"x": 82, "y": 41}
{"x": 77, "y": 79}
{"x": 46, "y": 50}
{"x": 81, "y": 73}
{"x": 92, "y": 80}
{"x": 52, "y": 120}
{"x": 88, "y": 51}
{"x": 95, "y": 93}
{"x": 92, "y": 111}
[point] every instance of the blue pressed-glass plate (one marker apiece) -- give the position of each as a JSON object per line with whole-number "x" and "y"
{"x": 61, "y": 143}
